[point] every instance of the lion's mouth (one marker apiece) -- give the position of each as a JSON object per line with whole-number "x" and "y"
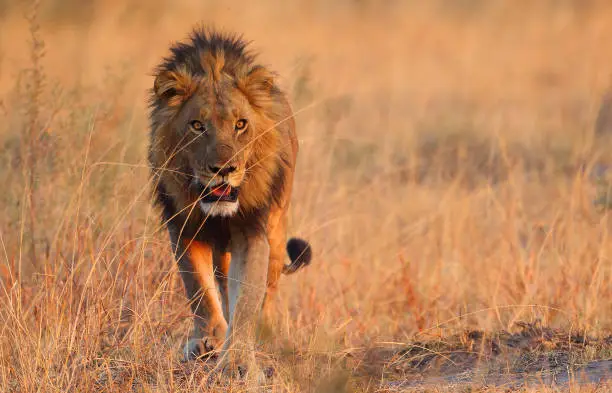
{"x": 222, "y": 192}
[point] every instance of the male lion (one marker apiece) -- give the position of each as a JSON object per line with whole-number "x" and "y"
{"x": 223, "y": 150}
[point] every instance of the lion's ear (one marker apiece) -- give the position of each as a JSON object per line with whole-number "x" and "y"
{"x": 258, "y": 85}
{"x": 174, "y": 87}
{"x": 260, "y": 78}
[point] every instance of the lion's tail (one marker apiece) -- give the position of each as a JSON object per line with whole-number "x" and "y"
{"x": 300, "y": 253}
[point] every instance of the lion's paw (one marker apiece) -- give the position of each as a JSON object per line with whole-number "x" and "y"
{"x": 198, "y": 348}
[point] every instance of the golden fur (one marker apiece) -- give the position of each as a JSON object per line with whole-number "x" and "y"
{"x": 218, "y": 120}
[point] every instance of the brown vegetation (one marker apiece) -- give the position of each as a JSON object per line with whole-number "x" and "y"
{"x": 450, "y": 156}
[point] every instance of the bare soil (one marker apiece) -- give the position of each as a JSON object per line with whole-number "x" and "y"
{"x": 530, "y": 357}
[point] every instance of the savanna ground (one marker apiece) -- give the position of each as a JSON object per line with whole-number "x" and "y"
{"x": 452, "y": 180}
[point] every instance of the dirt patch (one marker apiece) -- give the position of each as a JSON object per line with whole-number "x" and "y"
{"x": 532, "y": 356}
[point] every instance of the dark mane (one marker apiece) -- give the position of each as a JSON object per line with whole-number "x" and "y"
{"x": 221, "y": 60}
{"x": 203, "y": 41}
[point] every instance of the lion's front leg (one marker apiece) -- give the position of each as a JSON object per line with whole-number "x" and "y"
{"x": 247, "y": 288}
{"x": 196, "y": 268}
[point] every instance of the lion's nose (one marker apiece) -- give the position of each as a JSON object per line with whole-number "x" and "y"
{"x": 222, "y": 171}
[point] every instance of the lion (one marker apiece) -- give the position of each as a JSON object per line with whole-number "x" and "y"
{"x": 223, "y": 149}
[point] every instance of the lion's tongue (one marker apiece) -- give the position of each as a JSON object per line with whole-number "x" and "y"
{"x": 221, "y": 191}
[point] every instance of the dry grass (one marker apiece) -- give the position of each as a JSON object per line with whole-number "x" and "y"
{"x": 444, "y": 179}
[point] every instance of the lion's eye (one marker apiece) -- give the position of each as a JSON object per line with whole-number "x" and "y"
{"x": 197, "y": 126}
{"x": 240, "y": 125}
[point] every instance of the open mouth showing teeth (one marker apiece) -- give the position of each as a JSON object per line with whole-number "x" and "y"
{"x": 218, "y": 193}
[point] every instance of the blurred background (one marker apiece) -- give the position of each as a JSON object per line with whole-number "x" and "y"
{"x": 452, "y": 171}
{"x": 470, "y": 52}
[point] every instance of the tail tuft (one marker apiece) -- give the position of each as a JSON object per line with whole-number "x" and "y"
{"x": 300, "y": 254}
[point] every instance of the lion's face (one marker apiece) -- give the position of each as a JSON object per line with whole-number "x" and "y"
{"x": 216, "y": 125}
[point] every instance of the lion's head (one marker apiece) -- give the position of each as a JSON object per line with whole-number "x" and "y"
{"x": 214, "y": 114}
